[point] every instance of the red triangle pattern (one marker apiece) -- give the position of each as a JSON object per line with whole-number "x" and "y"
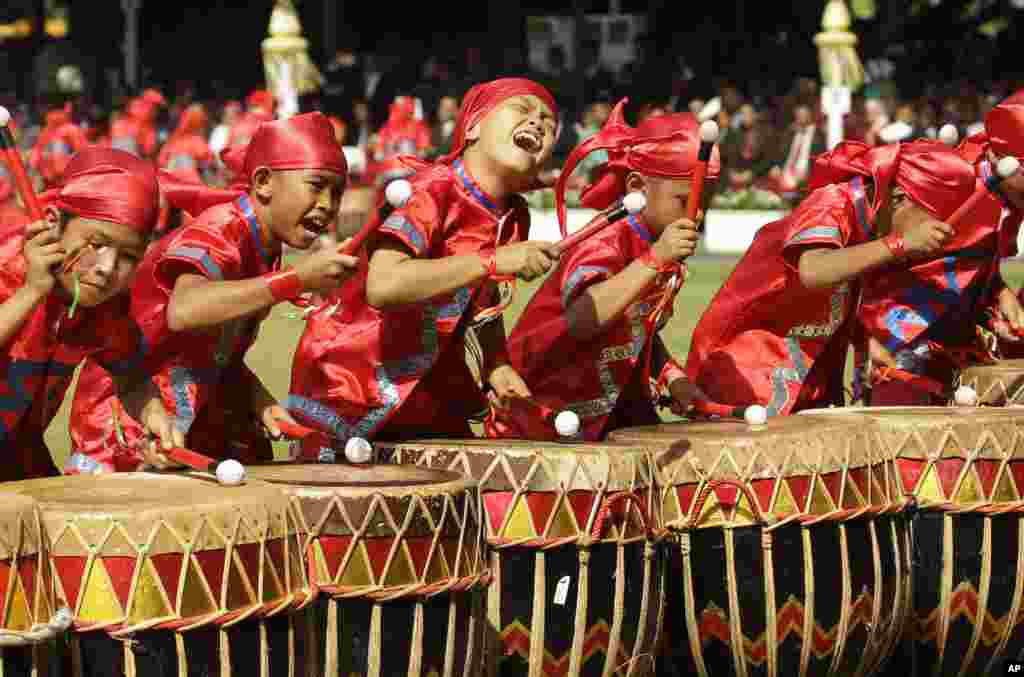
{"x": 121, "y": 571}
{"x": 541, "y": 503}
{"x": 582, "y": 502}
{"x": 212, "y": 564}
{"x": 168, "y": 568}
{"x": 801, "y": 488}
{"x": 860, "y": 478}
{"x": 419, "y": 549}
{"x": 1017, "y": 468}
{"x": 685, "y": 492}
{"x": 727, "y": 494}
{"x": 5, "y": 573}
{"x": 910, "y": 472}
{"x": 334, "y": 549}
{"x": 948, "y": 470}
{"x": 497, "y": 503}
{"x": 763, "y": 490}
{"x": 987, "y": 472}
{"x": 249, "y": 554}
{"x": 378, "y": 549}
{"x": 275, "y": 550}
{"x": 27, "y": 571}
{"x": 834, "y": 483}
{"x": 71, "y": 571}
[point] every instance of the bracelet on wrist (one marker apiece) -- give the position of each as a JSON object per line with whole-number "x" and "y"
{"x": 897, "y": 247}
{"x": 669, "y": 373}
{"x": 284, "y": 285}
{"x": 649, "y": 260}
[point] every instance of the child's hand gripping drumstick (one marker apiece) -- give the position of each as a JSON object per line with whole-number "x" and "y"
{"x": 632, "y": 203}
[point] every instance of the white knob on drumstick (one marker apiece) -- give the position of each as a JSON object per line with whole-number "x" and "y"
{"x": 398, "y": 193}
{"x": 1007, "y": 167}
{"x": 230, "y": 472}
{"x": 948, "y": 135}
{"x": 755, "y": 414}
{"x": 567, "y": 423}
{"x": 965, "y": 396}
{"x": 358, "y": 450}
{"x": 5, "y": 117}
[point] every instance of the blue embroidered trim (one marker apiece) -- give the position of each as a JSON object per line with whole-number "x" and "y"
{"x": 782, "y": 376}
{"x": 474, "y": 190}
{"x": 202, "y": 257}
{"x": 401, "y": 225}
{"x": 19, "y": 398}
{"x": 125, "y": 143}
{"x": 640, "y": 228}
{"x": 816, "y": 233}
{"x": 58, "y": 147}
{"x": 254, "y": 229}
{"x": 81, "y": 464}
{"x": 576, "y": 277}
{"x": 387, "y": 375}
{"x": 181, "y": 379}
{"x": 181, "y": 161}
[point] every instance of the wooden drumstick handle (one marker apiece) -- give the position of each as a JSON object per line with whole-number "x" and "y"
{"x": 10, "y": 148}
{"x": 296, "y": 430}
{"x": 192, "y": 459}
{"x": 632, "y": 203}
{"x": 1006, "y": 168}
{"x": 396, "y": 195}
{"x": 709, "y": 408}
{"x": 708, "y": 138}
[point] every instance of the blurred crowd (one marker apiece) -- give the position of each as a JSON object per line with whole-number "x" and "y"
{"x": 769, "y": 134}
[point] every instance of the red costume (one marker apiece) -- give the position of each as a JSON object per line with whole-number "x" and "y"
{"x": 39, "y": 360}
{"x": 186, "y": 151}
{"x": 603, "y": 380}
{"x": 10, "y": 213}
{"x": 135, "y": 130}
{"x": 261, "y": 109}
{"x": 766, "y": 339}
{"x": 364, "y": 372}
{"x": 404, "y": 133}
{"x": 201, "y": 374}
{"x": 58, "y": 142}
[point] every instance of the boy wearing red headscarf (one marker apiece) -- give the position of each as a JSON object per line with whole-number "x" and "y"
{"x": 404, "y": 133}
{"x": 923, "y": 320}
{"x": 582, "y": 344}
{"x": 388, "y": 359}
{"x": 62, "y": 296}
{"x": 778, "y": 331}
{"x": 58, "y": 142}
{"x": 135, "y": 131}
{"x": 186, "y": 152}
{"x": 260, "y": 109}
{"x": 201, "y": 293}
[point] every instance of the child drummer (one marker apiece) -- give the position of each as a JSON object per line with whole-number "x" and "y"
{"x": 923, "y": 320}
{"x": 63, "y": 286}
{"x": 201, "y": 294}
{"x": 778, "y": 331}
{"x": 581, "y": 344}
{"x": 388, "y": 360}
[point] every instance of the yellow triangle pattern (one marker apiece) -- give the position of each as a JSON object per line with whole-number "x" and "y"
{"x": 239, "y": 592}
{"x": 401, "y": 571}
{"x": 195, "y": 599}
{"x": 98, "y": 599}
{"x": 19, "y": 615}
{"x": 271, "y": 582}
{"x": 1004, "y": 489}
{"x": 821, "y": 502}
{"x": 149, "y": 599}
{"x": 357, "y": 570}
{"x": 970, "y": 489}
{"x": 928, "y": 487}
{"x": 785, "y": 503}
{"x": 563, "y": 523}
{"x": 519, "y": 521}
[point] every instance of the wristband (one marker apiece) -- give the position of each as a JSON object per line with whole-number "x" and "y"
{"x": 284, "y": 285}
{"x": 490, "y": 262}
{"x": 648, "y": 259}
{"x": 669, "y": 373}
{"x": 895, "y": 244}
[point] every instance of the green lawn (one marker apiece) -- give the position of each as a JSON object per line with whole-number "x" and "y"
{"x": 271, "y": 356}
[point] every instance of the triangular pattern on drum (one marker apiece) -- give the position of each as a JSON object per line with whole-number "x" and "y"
{"x": 270, "y": 582}
{"x": 201, "y": 595}
{"x": 27, "y": 572}
{"x": 1004, "y": 490}
{"x": 785, "y": 502}
{"x": 118, "y": 544}
{"x": 357, "y": 569}
{"x": 800, "y": 486}
{"x": 149, "y": 600}
{"x": 582, "y": 503}
{"x": 862, "y": 482}
{"x": 518, "y": 521}
{"x": 743, "y": 512}
{"x": 542, "y": 504}
{"x": 988, "y": 471}
{"x": 241, "y": 591}
{"x": 948, "y": 471}
{"x": 249, "y": 556}
{"x": 711, "y": 511}
{"x": 727, "y": 495}
{"x": 356, "y": 513}
{"x": 929, "y": 488}
{"x": 910, "y": 472}
{"x": 970, "y": 489}
{"x": 683, "y": 495}
{"x": 763, "y": 490}
{"x": 331, "y": 551}
{"x": 168, "y": 568}
{"x": 275, "y": 553}
{"x": 563, "y": 523}
{"x": 833, "y": 482}
{"x": 419, "y": 551}
{"x": 1017, "y": 470}
{"x": 450, "y": 547}
{"x": 121, "y": 571}
{"x": 97, "y": 604}
{"x": 401, "y": 571}
{"x": 496, "y": 504}
{"x": 18, "y": 615}
{"x": 6, "y": 571}
{"x": 821, "y": 502}
{"x": 70, "y": 573}
{"x": 378, "y": 550}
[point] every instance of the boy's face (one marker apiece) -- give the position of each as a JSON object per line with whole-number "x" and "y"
{"x": 303, "y": 203}
{"x": 110, "y": 253}
{"x": 667, "y": 198}
{"x": 518, "y": 136}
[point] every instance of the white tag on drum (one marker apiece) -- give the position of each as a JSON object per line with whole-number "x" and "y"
{"x": 562, "y": 590}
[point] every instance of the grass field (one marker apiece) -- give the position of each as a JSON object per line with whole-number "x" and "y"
{"x": 271, "y": 357}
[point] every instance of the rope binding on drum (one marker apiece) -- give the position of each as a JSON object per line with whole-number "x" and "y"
{"x": 40, "y": 632}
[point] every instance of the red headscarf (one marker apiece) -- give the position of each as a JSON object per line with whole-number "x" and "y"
{"x": 662, "y": 145}
{"x": 260, "y": 98}
{"x": 193, "y": 120}
{"x": 108, "y": 185}
{"x": 6, "y": 184}
{"x": 932, "y": 174}
{"x": 301, "y": 142}
{"x": 1004, "y": 128}
{"x": 481, "y": 99}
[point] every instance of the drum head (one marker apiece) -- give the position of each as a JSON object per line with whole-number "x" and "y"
{"x": 334, "y": 475}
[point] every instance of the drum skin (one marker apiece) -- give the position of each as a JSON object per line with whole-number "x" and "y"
{"x": 398, "y": 552}
{"x": 789, "y": 548}
{"x": 964, "y": 469}
{"x": 574, "y": 551}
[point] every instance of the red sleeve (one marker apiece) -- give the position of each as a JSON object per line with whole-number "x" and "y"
{"x": 593, "y": 260}
{"x": 823, "y": 219}
{"x": 199, "y": 250}
{"x": 124, "y": 349}
{"x": 417, "y": 225}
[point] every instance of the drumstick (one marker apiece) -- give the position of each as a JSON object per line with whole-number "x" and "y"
{"x": 396, "y": 195}
{"x": 753, "y": 413}
{"x": 229, "y": 471}
{"x": 708, "y": 137}
{"x": 632, "y": 203}
{"x": 948, "y": 135}
{"x": 1006, "y": 168}
{"x": 357, "y": 449}
{"x": 9, "y": 148}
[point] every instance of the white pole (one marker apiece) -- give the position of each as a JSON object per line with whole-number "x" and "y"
{"x": 131, "y": 41}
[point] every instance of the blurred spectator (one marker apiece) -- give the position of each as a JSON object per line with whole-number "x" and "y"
{"x": 598, "y": 81}
{"x": 903, "y": 128}
{"x": 876, "y": 118}
{"x": 746, "y": 153}
{"x": 359, "y": 132}
{"x": 222, "y": 132}
{"x": 803, "y": 141}
{"x": 444, "y": 125}
{"x": 405, "y": 133}
{"x": 344, "y": 82}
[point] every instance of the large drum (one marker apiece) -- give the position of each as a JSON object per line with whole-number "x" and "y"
{"x": 399, "y": 552}
{"x": 578, "y": 586}
{"x": 172, "y": 575}
{"x": 997, "y": 385}
{"x": 965, "y": 469}
{"x": 790, "y": 554}
{"x": 30, "y": 623}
